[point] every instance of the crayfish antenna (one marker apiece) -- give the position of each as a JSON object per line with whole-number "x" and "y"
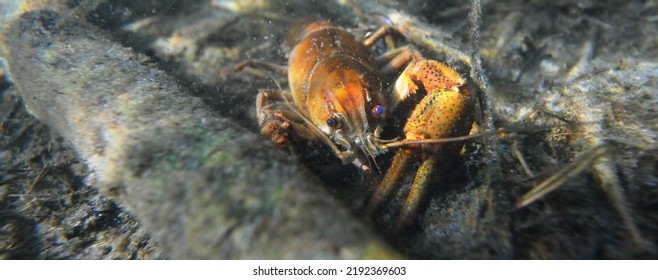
{"x": 501, "y": 131}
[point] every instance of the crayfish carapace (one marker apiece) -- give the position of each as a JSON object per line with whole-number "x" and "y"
{"x": 336, "y": 97}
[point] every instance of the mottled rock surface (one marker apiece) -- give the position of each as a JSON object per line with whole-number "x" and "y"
{"x": 203, "y": 187}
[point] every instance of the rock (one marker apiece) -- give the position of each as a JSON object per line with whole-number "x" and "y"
{"x": 203, "y": 187}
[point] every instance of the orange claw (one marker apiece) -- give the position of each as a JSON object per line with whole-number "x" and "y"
{"x": 446, "y": 111}
{"x": 431, "y": 74}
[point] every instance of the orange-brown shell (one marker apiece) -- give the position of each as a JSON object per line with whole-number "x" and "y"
{"x": 329, "y": 72}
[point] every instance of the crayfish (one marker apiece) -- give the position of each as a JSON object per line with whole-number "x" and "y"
{"x": 337, "y": 97}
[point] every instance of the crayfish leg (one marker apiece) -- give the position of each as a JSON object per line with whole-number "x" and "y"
{"x": 391, "y": 184}
{"x": 383, "y": 191}
{"x": 412, "y": 202}
{"x": 395, "y": 59}
{"x": 382, "y": 32}
{"x": 277, "y": 119}
{"x": 254, "y": 64}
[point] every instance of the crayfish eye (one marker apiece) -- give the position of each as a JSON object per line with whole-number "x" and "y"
{"x": 334, "y": 122}
{"x": 331, "y": 122}
{"x": 378, "y": 111}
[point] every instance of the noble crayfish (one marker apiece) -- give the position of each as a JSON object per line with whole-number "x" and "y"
{"x": 337, "y": 97}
